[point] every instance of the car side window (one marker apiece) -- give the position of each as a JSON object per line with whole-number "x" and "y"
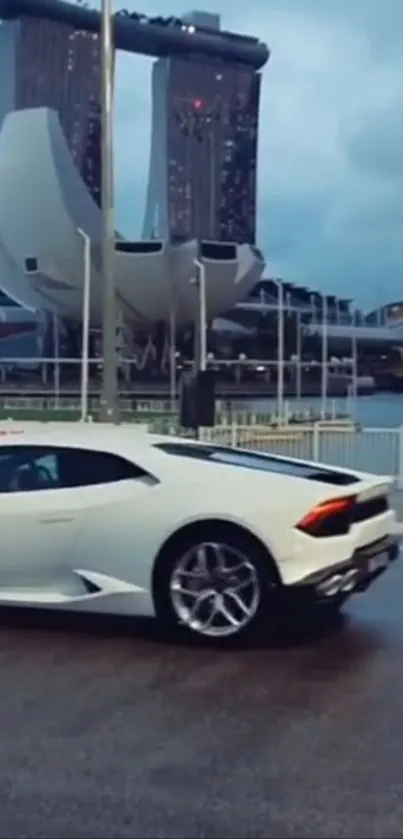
{"x": 33, "y": 468}
{"x": 85, "y": 467}
{"x": 28, "y": 468}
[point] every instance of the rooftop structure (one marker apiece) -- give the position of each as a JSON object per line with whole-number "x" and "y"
{"x": 154, "y": 36}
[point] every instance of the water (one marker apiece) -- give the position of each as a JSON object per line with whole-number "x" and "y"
{"x": 381, "y": 410}
{"x": 376, "y": 448}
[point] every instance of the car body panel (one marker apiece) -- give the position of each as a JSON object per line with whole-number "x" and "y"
{"x": 93, "y": 548}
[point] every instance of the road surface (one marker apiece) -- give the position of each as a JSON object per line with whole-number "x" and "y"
{"x": 109, "y": 732}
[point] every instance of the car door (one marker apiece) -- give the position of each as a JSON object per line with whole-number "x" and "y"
{"x": 37, "y": 520}
{"x": 112, "y": 494}
{"x": 55, "y": 501}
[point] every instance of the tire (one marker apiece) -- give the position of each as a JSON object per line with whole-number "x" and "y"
{"x": 190, "y": 557}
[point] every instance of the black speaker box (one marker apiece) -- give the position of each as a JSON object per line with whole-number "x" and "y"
{"x": 197, "y": 399}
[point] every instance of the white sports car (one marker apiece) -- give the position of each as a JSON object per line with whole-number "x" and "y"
{"x": 112, "y": 520}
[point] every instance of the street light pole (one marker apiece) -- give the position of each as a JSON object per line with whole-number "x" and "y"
{"x": 56, "y": 343}
{"x": 325, "y": 352}
{"x": 354, "y": 382}
{"x": 298, "y": 378}
{"x": 109, "y": 395}
{"x": 85, "y": 325}
{"x": 172, "y": 359}
{"x": 280, "y": 350}
{"x": 201, "y": 315}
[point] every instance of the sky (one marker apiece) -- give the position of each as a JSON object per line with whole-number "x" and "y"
{"x": 330, "y": 169}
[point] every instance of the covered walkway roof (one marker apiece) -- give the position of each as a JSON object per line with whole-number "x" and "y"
{"x": 391, "y": 335}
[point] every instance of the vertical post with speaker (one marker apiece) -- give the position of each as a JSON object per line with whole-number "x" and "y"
{"x": 197, "y": 400}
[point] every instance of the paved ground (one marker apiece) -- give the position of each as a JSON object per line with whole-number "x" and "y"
{"x": 115, "y": 734}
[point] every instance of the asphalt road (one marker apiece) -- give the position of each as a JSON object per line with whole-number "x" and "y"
{"x": 109, "y": 732}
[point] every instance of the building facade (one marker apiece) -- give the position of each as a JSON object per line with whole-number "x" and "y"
{"x": 203, "y": 165}
{"x": 49, "y": 64}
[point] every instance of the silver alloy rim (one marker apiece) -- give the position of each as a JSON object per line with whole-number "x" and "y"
{"x": 214, "y": 589}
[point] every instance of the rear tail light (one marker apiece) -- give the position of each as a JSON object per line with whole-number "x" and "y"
{"x": 330, "y": 518}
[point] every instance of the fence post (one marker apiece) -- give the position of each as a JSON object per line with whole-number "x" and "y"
{"x": 316, "y": 442}
{"x": 399, "y": 475}
{"x": 234, "y": 435}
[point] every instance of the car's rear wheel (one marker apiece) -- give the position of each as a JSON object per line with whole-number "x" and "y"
{"x": 216, "y": 583}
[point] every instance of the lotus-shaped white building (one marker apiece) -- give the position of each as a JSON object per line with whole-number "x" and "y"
{"x": 44, "y": 203}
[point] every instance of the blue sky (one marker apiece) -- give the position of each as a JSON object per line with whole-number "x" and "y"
{"x": 331, "y": 139}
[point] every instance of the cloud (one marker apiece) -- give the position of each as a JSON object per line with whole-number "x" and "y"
{"x": 331, "y": 140}
{"x": 376, "y": 147}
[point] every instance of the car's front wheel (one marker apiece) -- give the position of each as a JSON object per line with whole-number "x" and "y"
{"x": 215, "y": 582}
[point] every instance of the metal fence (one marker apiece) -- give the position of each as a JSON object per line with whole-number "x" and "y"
{"x": 378, "y": 450}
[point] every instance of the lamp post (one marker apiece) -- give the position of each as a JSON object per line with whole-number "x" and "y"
{"x": 201, "y": 315}
{"x": 56, "y": 344}
{"x": 354, "y": 378}
{"x": 172, "y": 359}
{"x": 298, "y": 377}
{"x": 85, "y": 334}
{"x": 280, "y": 349}
{"x": 325, "y": 351}
{"x": 109, "y": 395}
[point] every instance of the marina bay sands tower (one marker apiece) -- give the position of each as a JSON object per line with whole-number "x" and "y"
{"x": 44, "y": 63}
{"x": 203, "y": 159}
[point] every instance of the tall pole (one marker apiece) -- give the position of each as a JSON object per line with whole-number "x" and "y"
{"x": 298, "y": 377}
{"x": 201, "y": 314}
{"x": 109, "y": 395}
{"x": 354, "y": 383}
{"x": 172, "y": 360}
{"x": 85, "y": 335}
{"x": 280, "y": 350}
{"x": 200, "y": 361}
{"x": 213, "y": 178}
{"x": 325, "y": 345}
{"x": 56, "y": 344}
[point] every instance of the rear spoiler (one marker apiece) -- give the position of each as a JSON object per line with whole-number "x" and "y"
{"x": 374, "y": 488}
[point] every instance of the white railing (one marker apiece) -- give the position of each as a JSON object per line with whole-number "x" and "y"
{"x": 378, "y": 450}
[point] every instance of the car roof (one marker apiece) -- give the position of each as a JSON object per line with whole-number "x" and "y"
{"x": 135, "y": 443}
{"x": 97, "y": 436}
{"x": 130, "y": 441}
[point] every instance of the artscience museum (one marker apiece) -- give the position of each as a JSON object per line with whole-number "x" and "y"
{"x": 44, "y": 203}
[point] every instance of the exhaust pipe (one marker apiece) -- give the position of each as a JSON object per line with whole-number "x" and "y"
{"x": 338, "y": 583}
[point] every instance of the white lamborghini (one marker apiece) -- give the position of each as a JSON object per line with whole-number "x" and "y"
{"x": 204, "y": 537}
